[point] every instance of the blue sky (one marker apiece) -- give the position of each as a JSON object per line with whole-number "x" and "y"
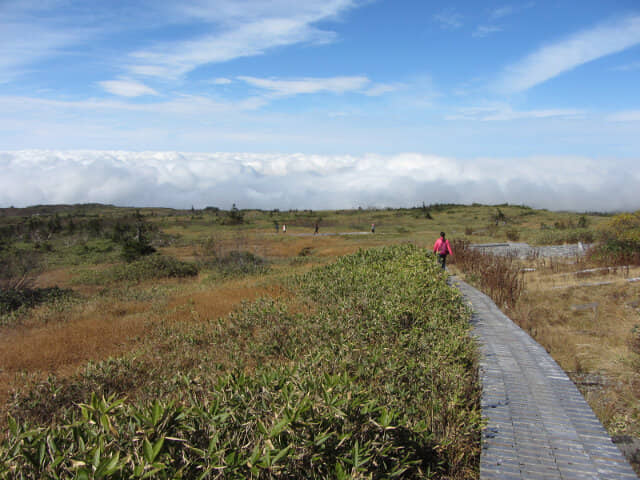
{"x": 474, "y": 84}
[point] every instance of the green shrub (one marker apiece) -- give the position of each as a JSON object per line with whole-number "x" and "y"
{"x": 513, "y": 235}
{"x": 234, "y": 216}
{"x": 237, "y": 263}
{"x": 620, "y": 240}
{"x": 18, "y": 266}
{"x": 550, "y": 236}
{"x": 146, "y": 268}
{"x": 92, "y": 251}
{"x": 12, "y": 299}
{"x": 98, "y": 246}
{"x": 134, "y": 249}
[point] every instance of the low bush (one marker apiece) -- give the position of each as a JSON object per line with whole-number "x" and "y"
{"x": 87, "y": 251}
{"x": 146, "y": 268}
{"x": 18, "y": 267}
{"x": 634, "y": 340}
{"x": 551, "y": 236}
{"x": 134, "y": 249}
{"x": 513, "y": 235}
{"x": 12, "y": 299}
{"x": 620, "y": 241}
{"x": 615, "y": 252}
{"x": 237, "y": 263}
{"x": 497, "y": 276}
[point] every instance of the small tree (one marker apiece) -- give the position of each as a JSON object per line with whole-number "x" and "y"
{"x": 133, "y": 249}
{"x": 54, "y": 225}
{"x": 133, "y": 238}
{"x": 94, "y": 226}
{"x": 499, "y": 217}
{"x": 426, "y": 212}
{"x": 235, "y": 216}
{"x": 583, "y": 222}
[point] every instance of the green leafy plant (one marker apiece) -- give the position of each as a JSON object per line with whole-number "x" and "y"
{"x": 13, "y": 299}
{"x": 146, "y": 268}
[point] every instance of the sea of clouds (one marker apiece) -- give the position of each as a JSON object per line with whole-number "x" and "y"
{"x": 267, "y": 181}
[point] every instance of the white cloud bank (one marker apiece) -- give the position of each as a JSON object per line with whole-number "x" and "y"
{"x": 310, "y": 181}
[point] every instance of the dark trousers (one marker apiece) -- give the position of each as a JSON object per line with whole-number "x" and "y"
{"x": 442, "y": 259}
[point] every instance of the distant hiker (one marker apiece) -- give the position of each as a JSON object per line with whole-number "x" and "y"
{"x": 275, "y": 222}
{"x": 442, "y": 248}
{"x": 316, "y": 230}
{"x": 373, "y": 228}
{"x": 284, "y": 228}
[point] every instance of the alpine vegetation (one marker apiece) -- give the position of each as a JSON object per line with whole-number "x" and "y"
{"x": 365, "y": 370}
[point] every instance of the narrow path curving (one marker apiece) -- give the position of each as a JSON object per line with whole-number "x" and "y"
{"x": 538, "y": 425}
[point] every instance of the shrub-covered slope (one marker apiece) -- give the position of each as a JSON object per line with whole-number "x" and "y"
{"x": 367, "y": 371}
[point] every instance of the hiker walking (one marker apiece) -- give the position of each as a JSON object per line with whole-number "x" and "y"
{"x": 442, "y": 248}
{"x": 373, "y": 228}
{"x": 316, "y": 230}
{"x": 284, "y": 228}
{"x": 277, "y": 226}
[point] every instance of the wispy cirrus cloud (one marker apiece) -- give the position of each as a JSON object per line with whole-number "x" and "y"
{"x": 577, "y": 49}
{"x": 383, "y": 88}
{"x": 509, "y": 9}
{"x": 504, "y": 112}
{"x": 243, "y": 11}
{"x": 337, "y": 85}
{"x": 238, "y": 29}
{"x": 127, "y": 88}
{"x": 222, "y": 30}
{"x": 448, "y": 19}
{"x": 23, "y": 44}
{"x": 628, "y": 67}
{"x": 482, "y": 31}
{"x": 500, "y": 12}
{"x": 281, "y": 87}
{"x": 178, "y": 58}
{"x": 625, "y": 116}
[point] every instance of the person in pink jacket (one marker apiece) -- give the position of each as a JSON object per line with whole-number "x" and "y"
{"x": 442, "y": 248}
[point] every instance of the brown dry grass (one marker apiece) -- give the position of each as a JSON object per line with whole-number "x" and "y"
{"x": 61, "y": 346}
{"x": 216, "y": 301}
{"x": 287, "y": 246}
{"x": 54, "y": 342}
{"x": 61, "y": 277}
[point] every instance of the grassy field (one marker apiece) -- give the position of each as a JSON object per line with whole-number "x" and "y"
{"x": 292, "y": 356}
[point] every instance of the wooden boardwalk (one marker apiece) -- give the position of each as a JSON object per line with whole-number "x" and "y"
{"x": 538, "y": 425}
